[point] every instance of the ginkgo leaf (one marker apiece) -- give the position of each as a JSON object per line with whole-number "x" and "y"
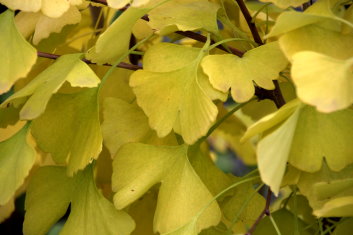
{"x": 51, "y": 188}
{"x": 74, "y": 118}
{"x": 46, "y": 25}
{"x": 101, "y": 217}
{"x": 132, "y": 126}
{"x": 50, "y": 8}
{"x": 313, "y": 72}
{"x": 118, "y": 4}
{"x": 47, "y": 199}
{"x": 18, "y": 56}
{"x": 261, "y": 65}
{"x": 271, "y": 153}
{"x": 328, "y": 192}
{"x": 106, "y": 49}
{"x": 286, "y": 223}
{"x": 179, "y": 98}
{"x": 137, "y": 167}
{"x": 17, "y": 157}
{"x": 304, "y": 140}
{"x": 67, "y": 68}
{"x": 317, "y": 39}
{"x": 286, "y": 3}
{"x": 184, "y": 15}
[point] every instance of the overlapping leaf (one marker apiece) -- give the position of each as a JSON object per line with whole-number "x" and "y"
{"x": 131, "y": 127}
{"x": 182, "y": 194}
{"x": 261, "y": 65}
{"x": 107, "y": 50}
{"x": 118, "y": 4}
{"x": 18, "y": 56}
{"x": 323, "y": 81}
{"x": 329, "y": 193}
{"x": 17, "y": 157}
{"x": 74, "y": 118}
{"x": 42, "y": 26}
{"x": 184, "y": 15}
{"x": 50, "y": 8}
{"x": 49, "y": 195}
{"x": 67, "y": 68}
{"x": 304, "y": 139}
{"x": 286, "y": 3}
{"x": 174, "y": 93}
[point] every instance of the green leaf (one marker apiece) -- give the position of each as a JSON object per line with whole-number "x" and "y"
{"x": 184, "y": 15}
{"x": 90, "y": 214}
{"x": 137, "y": 167}
{"x": 312, "y": 74}
{"x": 286, "y": 224}
{"x": 107, "y": 50}
{"x": 261, "y": 65}
{"x": 47, "y": 199}
{"x": 74, "y": 119}
{"x": 17, "y": 157}
{"x": 131, "y": 127}
{"x": 67, "y": 68}
{"x": 18, "y": 56}
{"x": 174, "y": 93}
{"x": 101, "y": 217}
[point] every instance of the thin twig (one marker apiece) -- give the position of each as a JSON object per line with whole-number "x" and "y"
{"x": 121, "y": 65}
{"x": 265, "y": 212}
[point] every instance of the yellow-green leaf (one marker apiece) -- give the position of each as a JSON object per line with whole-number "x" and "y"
{"x": 137, "y": 167}
{"x": 17, "y": 157}
{"x": 261, "y": 65}
{"x": 67, "y": 68}
{"x": 304, "y": 140}
{"x": 131, "y": 127}
{"x": 47, "y": 199}
{"x": 118, "y": 4}
{"x": 107, "y": 50}
{"x": 323, "y": 81}
{"x": 18, "y": 56}
{"x": 175, "y": 97}
{"x": 286, "y": 3}
{"x": 74, "y": 118}
{"x": 50, "y": 8}
{"x": 49, "y": 194}
{"x": 184, "y": 15}
{"x": 100, "y": 215}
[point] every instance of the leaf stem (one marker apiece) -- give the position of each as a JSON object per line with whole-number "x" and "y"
{"x": 120, "y": 65}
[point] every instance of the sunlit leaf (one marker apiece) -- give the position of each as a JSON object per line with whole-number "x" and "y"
{"x": 261, "y": 65}
{"x": 67, "y": 68}
{"x": 18, "y": 56}
{"x": 17, "y": 157}
{"x": 137, "y": 167}
{"x": 312, "y": 73}
{"x": 178, "y": 98}
{"x": 286, "y": 3}
{"x": 184, "y": 15}
{"x": 74, "y": 119}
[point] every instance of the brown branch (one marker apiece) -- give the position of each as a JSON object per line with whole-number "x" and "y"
{"x": 251, "y": 24}
{"x": 265, "y": 212}
{"x": 121, "y": 65}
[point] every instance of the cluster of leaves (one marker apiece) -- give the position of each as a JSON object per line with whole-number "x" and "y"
{"x": 119, "y": 127}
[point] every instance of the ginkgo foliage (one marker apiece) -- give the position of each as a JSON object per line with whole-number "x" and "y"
{"x": 116, "y": 116}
